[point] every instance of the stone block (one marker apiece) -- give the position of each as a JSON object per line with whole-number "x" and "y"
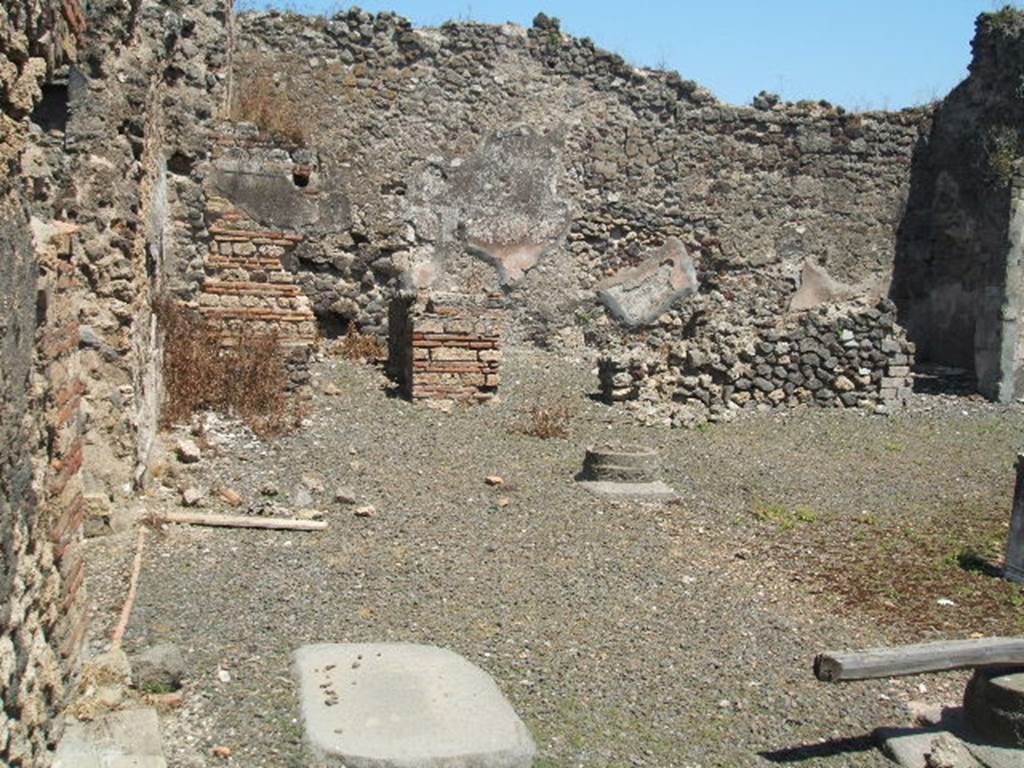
{"x": 397, "y": 705}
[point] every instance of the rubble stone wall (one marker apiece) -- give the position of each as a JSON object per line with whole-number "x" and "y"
{"x": 150, "y": 86}
{"x": 957, "y": 277}
{"x": 852, "y": 355}
{"x": 41, "y": 616}
{"x": 478, "y": 158}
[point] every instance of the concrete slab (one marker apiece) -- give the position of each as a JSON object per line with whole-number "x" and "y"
{"x": 608, "y": 489}
{"x": 128, "y": 738}
{"x": 398, "y": 705}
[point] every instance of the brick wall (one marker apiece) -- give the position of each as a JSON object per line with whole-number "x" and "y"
{"x": 446, "y": 347}
{"x": 247, "y": 288}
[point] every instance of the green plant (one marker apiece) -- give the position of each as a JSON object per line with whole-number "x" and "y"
{"x": 1004, "y": 17}
{"x": 781, "y": 516}
{"x": 157, "y": 687}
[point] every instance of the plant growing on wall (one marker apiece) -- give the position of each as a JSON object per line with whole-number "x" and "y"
{"x": 262, "y": 100}
{"x": 1003, "y": 148}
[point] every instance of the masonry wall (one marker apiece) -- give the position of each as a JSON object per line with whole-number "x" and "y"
{"x": 446, "y": 347}
{"x": 41, "y": 616}
{"x": 151, "y": 83}
{"x": 104, "y": 116}
{"x": 957, "y": 278}
{"x": 480, "y": 158}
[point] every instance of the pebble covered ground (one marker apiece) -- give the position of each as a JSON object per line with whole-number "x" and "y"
{"x": 678, "y": 634}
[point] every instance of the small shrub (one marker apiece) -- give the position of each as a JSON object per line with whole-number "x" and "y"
{"x": 247, "y": 378}
{"x": 547, "y": 421}
{"x": 361, "y": 347}
{"x": 260, "y": 100}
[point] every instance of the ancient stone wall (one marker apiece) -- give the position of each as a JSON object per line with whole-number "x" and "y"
{"x": 150, "y": 85}
{"x": 850, "y": 355}
{"x": 478, "y": 158}
{"x": 41, "y": 617}
{"x": 104, "y": 114}
{"x": 446, "y": 347}
{"x": 246, "y": 288}
{"x": 957, "y": 279}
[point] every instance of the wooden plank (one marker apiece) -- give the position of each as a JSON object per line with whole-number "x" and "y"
{"x": 242, "y": 521}
{"x": 917, "y": 659}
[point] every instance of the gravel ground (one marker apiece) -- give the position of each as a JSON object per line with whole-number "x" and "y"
{"x": 676, "y": 634}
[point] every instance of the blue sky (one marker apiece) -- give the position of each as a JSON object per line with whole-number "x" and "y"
{"x": 862, "y": 54}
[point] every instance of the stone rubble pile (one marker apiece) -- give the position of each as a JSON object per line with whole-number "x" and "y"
{"x": 853, "y": 355}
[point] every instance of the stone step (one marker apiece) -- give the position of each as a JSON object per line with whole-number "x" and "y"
{"x": 398, "y": 705}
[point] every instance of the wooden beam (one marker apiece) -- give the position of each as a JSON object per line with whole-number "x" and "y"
{"x": 242, "y": 521}
{"x": 916, "y": 659}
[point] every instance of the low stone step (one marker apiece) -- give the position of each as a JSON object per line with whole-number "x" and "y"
{"x": 398, "y": 705}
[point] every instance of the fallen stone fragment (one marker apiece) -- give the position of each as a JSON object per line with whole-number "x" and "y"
{"x": 914, "y": 748}
{"x": 367, "y": 511}
{"x": 398, "y": 705}
{"x": 192, "y": 497}
{"x": 494, "y": 481}
{"x": 222, "y": 752}
{"x": 127, "y": 737}
{"x": 187, "y": 451}
{"x": 313, "y": 482}
{"x": 345, "y": 496}
{"x": 309, "y": 514}
{"x": 301, "y": 497}
{"x": 158, "y": 669}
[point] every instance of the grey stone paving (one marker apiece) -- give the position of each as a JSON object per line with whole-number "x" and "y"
{"x": 398, "y": 705}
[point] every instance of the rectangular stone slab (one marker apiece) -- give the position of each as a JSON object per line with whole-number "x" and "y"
{"x": 398, "y": 705}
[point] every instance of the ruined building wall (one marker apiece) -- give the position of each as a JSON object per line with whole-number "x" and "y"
{"x": 40, "y": 450}
{"x": 104, "y": 112}
{"x": 478, "y": 157}
{"x": 956, "y": 277}
{"x": 149, "y": 86}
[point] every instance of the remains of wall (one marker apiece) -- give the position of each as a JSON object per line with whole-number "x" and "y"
{"x": 446, "y": 347}
{"x": 850, "y": 355}
{"x": 957, "y": 278}
{"x": 482, "y": 158}
{"x": 246, "y": 288}
{"x": 143, "y": 99}
{"x": 41, "y": 617}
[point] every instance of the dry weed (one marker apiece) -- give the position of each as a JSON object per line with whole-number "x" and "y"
{"x": 361, "y": 347}
{"x": 247, "y": 378}
{"x": 546, "y": 421}
{"x": 260, "y": 100}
